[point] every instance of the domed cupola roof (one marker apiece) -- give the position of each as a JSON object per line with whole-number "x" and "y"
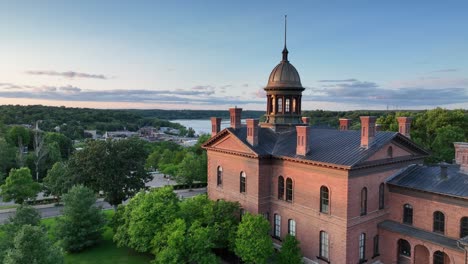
{"x": 284, "y": 75}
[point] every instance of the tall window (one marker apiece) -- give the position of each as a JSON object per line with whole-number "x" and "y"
{"x": 272, "y": 105}
{"x": 280, "y": 187}
{"x": 289, "y": 190}
{"x": 324, "y": 253}
{"x": 439, "y": 257}
{"x": 292, "y": 227}
{"x": 294, "y": 105}
{"x": 464, "y": 227}
{"x": 439, "y": 222}
{"x": 242, "y": 182}
{"x": 362, "y": 247}
{"x": 376, "y": 245}
{"x": 408, "y": 214}
{"x": 381, "y": 196}
{"x": 287, "y": 105}
{"x": 324, "y": 200}
{"x": 219, "y": 178}
{"x": 280, "y": 105}
{"x": 404, "y": 248}
{"x": 364, "y": 201}
{"x": 277, "y": 225}
{"x": 390, "y": 152}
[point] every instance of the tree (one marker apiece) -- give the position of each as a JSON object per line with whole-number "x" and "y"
{"x": 146, "y": 215}
{"x": 19, "y": 136}
{"x": 290, "y": 252}
{"x": 31, "y": 245}
{"x": 114, "y": 167}
{"x": 40, "y": 150}
{"x": 19, "y": 186}
{"x": 82, "y": 222}
{"x": 190, "y": 132}
{"x": 24, "y": 215}
{"x": 7, "y": 157}
{"x": 58, "y": 180}
{"x": 253, "y": 243}
{"x": 190, "y": 170}
{"x": 442, "y": 146}
{"x": 65, "y": 145}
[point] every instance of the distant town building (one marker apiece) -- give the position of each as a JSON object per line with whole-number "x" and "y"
{"x": 348, "y": 196}
{"x": 120, "y": 134}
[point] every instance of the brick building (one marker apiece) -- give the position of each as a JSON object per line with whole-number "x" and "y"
{"x": 348, "y": 196}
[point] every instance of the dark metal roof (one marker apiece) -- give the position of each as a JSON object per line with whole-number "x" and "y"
{"x": 420, "y": 234}
{"x": 326, "y": 145}
{"x": 428, "y": 178}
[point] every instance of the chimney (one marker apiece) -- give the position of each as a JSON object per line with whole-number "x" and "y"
{"x": 215, "y": 126}
{"x": 443, "y": 170}
{"x": 305, "y": 120}
{"x": 344, "y": 124}
{"x": 252, "y": 131}
{"x": 378, "y": 127}
{"x": 367, "y": 130}
{"x": 302, "y": 145}
{"x": 404, "y": 125}
{"x": 461, "y": 155}
{"x": 235, "y": 117}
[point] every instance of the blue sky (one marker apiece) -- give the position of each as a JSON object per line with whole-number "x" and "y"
{"x": 217, "y": 54}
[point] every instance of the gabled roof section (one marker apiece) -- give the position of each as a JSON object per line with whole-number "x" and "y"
{"x": 428, "y": 179}
{"x": 327, "y": 146}
{"x": 226, "y": 141}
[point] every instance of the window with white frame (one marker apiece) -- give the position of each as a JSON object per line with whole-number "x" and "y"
{"x": 292, "y": 227}
{"x": 277, "y": 226}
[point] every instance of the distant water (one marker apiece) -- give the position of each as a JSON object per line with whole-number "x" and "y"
{"x": 201, "y": 126}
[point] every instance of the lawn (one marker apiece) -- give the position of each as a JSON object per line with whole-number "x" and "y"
{"x": 104, "y": 253}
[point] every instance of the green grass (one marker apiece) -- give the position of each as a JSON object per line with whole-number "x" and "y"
{"x": 8, "y": 206}
{"x": 105, "y": 252}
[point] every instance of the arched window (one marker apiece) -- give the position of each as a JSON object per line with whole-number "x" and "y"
{"x": 324, "y": 199}
{"x": 362, "y": 247}
{"x": 292, "y": 227}
{"x": 408, "y": 214}
{"x": 287, "y": 105}
{"x": 464, "y": 227}
{"x": 404, "y": 248}
{"x": 364, "y": 201}
{"x": 280, "y": 187}
{"x": 277, "y": 233}
{"x": 381, "y": 196}
{"x": 280, "y": 105}
{"x": 390, "y": 152}
{"x": 219, "y": 178}
{"x": 439, "y": 222}
{"x": 242, "y": 182}
{"x": 439, "y": 257}
{"x": 289, "y": 189}
{"x": 324, "y": 242}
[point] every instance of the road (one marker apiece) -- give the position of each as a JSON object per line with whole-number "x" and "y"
{"x": 51, "y": 211}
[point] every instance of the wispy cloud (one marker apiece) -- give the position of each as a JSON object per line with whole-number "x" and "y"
{"x": 342, "y": 80}
{"x": 69, "y": 74}
{"x": 445, "y": 70}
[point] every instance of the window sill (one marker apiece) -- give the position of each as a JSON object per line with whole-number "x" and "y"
{"x": 362, "y": 261}
{"x": 323, "y": 259}
{"x": 376, "y": 255}
{"x": 277, "y": 238}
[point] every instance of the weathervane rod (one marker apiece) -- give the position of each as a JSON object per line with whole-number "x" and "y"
{"x": 285, "y": 26}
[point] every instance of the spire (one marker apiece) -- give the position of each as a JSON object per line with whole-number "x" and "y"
{"x": 285, "y": 50}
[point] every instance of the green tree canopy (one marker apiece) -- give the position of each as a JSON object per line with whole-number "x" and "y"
{"x": 114, "y": 167}
{"x": 31, "y": 245}
{"x": 253, "y": 243}
{"x": 290, "y": 251}
{"x": 81, "y": 224}
{"x": 19, "y": 186}
{"x": 58, "y": 181}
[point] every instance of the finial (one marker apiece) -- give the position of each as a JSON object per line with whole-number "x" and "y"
{"x": 285, "y": 50}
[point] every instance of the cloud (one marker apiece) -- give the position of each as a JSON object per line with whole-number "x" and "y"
{"x": 69, "y": 74}
{"x": 260, "y": 93}
{"x": 332, "y": 81}
{"x": 445, "y": 70}
{"x": 370, "y": 93}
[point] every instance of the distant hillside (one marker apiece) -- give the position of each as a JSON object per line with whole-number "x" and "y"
{"x": 193, "y": 114}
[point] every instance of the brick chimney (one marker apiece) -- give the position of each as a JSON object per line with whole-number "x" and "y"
{"x": 215, "y": 125}
{"x": 252, "y": 131}
{"x": 344, "y": 124}
{"x": 367, "y": 130}
{"x": 443, "y": 170}
{"x": 305, "y": 120}
{"x": 404, "y": 125}
{"x": 461, "y": 155}
{"x": 302, "y": 145}
{"x": 235, "y": 114}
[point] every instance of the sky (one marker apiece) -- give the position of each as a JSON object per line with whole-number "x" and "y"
{"x": 218, "y": 54}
